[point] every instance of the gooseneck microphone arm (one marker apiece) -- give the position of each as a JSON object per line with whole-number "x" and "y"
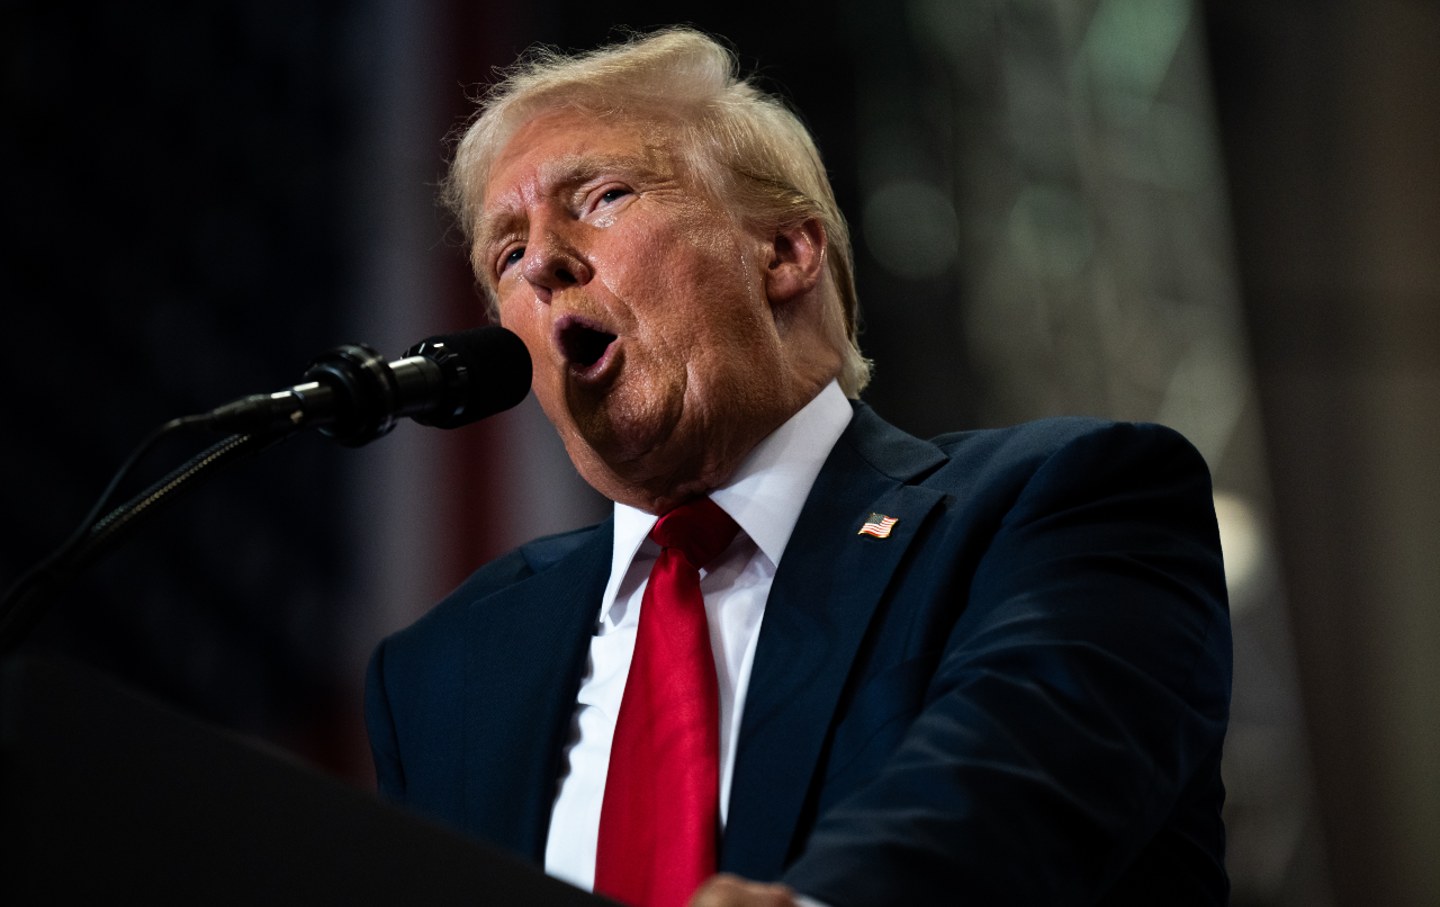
{"x": 28, "y": 599}
{"x": 350, "y": 394}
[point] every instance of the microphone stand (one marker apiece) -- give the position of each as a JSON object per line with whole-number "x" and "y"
{"x": 350, "y": 394}
{"x": 27, "y": 601}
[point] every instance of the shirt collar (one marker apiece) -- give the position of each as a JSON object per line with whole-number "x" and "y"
{"x": 767, "y": 491}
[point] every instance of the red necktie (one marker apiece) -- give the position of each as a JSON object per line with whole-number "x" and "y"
{"x": 661, "y": 815}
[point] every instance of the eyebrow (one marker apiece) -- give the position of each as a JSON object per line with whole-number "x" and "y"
{"x": 564, "y": 174}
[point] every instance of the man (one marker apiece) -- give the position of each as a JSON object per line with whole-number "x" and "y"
{"x": 991, "y": 668}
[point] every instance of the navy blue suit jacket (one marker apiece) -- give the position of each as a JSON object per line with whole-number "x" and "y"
{"x": 1019, "y": 697}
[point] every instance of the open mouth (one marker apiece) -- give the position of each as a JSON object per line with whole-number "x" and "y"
{"x": 583, "y": 344}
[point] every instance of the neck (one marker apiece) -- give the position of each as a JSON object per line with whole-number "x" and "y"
{"x": 708, "y": 467}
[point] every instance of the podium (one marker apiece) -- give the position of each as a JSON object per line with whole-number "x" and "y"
{"x": 106, "y": 795}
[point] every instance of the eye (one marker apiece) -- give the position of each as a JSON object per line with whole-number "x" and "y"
{"x": 613, "y": 195}
{"x": 513, "y": 256}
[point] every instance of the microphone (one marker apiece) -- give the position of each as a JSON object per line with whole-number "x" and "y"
{"x": 354, "y": 396}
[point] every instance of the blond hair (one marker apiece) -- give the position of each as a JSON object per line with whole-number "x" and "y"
{"x": 747, "y": 145}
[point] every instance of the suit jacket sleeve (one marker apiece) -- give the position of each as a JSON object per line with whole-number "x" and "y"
{"x": 1067, "y": 747}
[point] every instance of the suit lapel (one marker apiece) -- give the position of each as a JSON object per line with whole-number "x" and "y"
{"x": 830, "y": 580}
{"x": 521, "y": 679}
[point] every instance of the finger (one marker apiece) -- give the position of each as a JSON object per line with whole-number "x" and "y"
{"x": 732, "y": 891}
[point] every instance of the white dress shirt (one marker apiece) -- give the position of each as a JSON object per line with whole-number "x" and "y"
{"x": 764, "y": 497}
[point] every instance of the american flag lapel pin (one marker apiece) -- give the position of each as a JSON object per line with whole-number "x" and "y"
{"x": 878, "y": 525}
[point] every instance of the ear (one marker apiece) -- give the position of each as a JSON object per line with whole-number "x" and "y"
{"x": 796, "y": 261}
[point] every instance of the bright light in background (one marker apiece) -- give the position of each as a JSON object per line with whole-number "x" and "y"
{"x": 911, "y": 229}
{"x": 1049, "y": 230}
{"x": 1131, "y": 43}
{"x": 1242, "y": 542}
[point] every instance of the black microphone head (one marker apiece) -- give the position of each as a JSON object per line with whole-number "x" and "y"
{"x": 488, "y": 367}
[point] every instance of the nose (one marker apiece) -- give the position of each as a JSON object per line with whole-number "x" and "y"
{"x": 552, "y": 264}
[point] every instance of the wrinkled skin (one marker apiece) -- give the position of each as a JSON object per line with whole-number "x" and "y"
{"x": 668, "y": 337}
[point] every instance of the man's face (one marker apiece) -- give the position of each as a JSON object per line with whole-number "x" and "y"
{"x": 643, "y": 304}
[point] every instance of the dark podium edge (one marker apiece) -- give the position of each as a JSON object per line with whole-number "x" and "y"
{"x": 106, "y": 795}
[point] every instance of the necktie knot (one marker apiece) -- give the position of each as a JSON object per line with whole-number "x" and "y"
{"x": 699, "y": 530}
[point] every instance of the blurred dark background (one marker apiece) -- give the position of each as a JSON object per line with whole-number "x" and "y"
{"x": 1220, "y": 215}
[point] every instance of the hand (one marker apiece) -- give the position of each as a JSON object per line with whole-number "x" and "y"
{"x": 732, "y": 891}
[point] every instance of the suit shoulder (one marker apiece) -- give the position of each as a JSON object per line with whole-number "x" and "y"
{"x": 1038, "y": 440}
{"x": 1010, "y": 454}
{"x": 505, "y": 571}
{"x": 529, "y": 559}
{"x": 1069, "y": 452}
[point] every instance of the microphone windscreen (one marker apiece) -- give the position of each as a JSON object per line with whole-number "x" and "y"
{"x": 495, "y": 366}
